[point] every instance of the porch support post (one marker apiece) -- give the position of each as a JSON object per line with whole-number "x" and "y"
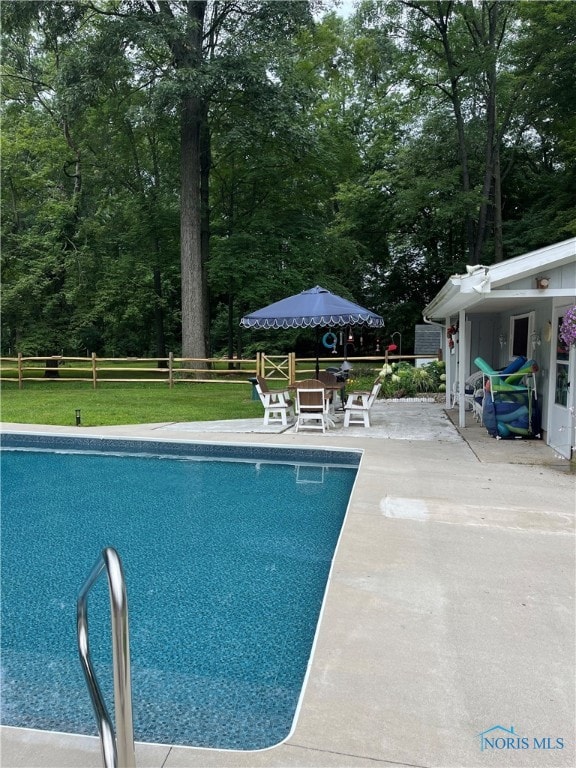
{"x": 450, "y": 389}
{"x": 462, "y": 357}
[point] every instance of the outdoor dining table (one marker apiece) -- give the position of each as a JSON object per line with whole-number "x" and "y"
{"x": 332, "y": 389}
{"x": 329, "y": 391}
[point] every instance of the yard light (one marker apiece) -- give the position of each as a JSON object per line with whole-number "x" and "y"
{"x": 78, "y": 418}
{"x": 397, "y": 333}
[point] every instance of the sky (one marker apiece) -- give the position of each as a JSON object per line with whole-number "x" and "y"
{"x": 347, "y": 8}
{"x": 344, "y": 8}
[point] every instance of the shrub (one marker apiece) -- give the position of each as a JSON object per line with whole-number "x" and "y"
{"x": 361, "y": 378}
{"x": 404, "y": 380}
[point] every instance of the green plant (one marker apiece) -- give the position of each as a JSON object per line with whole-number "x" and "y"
{"x": 361, "y": 379}
{"x": 435, "y": 370}
{"x": 404, "y": 380}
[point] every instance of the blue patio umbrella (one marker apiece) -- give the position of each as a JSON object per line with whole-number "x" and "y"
{"x": 314, "y": 308}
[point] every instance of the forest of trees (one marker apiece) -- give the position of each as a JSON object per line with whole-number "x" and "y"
{"x": 169, "y": 165}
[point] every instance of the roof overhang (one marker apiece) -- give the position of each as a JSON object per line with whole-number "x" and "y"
{"x": 483, "y": 289}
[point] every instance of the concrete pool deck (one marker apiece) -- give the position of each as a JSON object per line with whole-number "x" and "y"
{"x": 449, "y": 611}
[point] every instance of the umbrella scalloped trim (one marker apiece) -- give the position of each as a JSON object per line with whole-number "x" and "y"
{"x": 313, "y": 322}
{"x": 311, "y": 309}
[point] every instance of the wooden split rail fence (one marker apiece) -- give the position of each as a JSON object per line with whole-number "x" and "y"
{"x": 169, "y": 370}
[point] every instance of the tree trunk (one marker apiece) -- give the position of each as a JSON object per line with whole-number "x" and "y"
{"x": 193, "y": 316}
{"x": 498, "y": 244}
{"x": 230, "y": 330}
{"x": 491, "y": 132}
{"x": 193, "y": 113}
{"x": 464, "y": 171}
{"x": 442, "y": 26}
{"x": 205, "y": 168}
{"x": 159, "y": 314}
{"x": 51, "y": 369}
{"x": 488, "y": 180}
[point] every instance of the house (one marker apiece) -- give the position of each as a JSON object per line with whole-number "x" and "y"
{"x": 508, "y": 309}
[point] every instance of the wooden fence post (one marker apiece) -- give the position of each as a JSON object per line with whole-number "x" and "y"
{"x": 291, "y": 367}
{"x": 94, "y": 372}
{"x": 171, "y": 370}
{"x": 20, "y": 372}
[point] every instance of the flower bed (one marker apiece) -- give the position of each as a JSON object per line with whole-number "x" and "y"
{"x": 400, "y": 380}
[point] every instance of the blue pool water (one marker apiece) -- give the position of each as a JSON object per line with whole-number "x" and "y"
{"x": 225, "y": 557}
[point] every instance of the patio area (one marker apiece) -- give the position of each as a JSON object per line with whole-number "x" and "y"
{"x": 418, "y": 419}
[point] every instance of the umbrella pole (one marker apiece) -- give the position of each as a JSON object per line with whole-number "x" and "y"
{"x": 317, "y": 354}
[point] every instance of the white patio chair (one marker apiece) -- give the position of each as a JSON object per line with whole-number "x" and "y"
{"x": 473, "y": 394}
{"x": 312, "y": 406}
{"x": 278, "y": 405}
{"x": 358, "y": 405}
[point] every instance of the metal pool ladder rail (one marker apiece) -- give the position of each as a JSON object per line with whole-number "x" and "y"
{"x": 117, "y": 751}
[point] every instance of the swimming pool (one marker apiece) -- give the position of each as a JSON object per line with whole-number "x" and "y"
{"x": 226, "y": 552}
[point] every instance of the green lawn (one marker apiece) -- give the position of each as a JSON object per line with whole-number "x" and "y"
{"x": 55, "y": 402}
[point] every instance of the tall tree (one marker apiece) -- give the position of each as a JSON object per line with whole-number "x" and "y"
{"x": 40, "y": 237}
{"x": 276, "y": 180}
{"x": 539, "y": 200}
{"x": 67, "y": 77}
{"x": 203, "y": 43}
{"x": 460, "y": 51}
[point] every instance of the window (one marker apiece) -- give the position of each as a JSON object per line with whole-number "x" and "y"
{"x": 521, "y": 328}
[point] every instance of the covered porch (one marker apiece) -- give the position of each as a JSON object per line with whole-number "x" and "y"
{"x": 505, "y": 310}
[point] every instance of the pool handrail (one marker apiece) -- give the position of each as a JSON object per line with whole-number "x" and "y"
{"x": 117, "y": 751}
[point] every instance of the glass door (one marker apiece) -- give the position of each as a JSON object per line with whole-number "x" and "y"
{"x": 561, "y": 427}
